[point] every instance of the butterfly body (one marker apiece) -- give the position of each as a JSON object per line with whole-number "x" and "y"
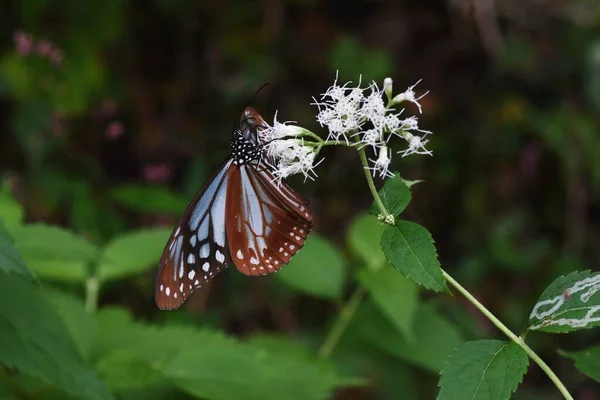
{"x": 240, "y": 217}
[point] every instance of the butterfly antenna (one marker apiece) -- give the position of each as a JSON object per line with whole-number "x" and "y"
{"x": 264, "y": 85}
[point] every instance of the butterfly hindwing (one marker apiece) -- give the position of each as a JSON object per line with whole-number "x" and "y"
{"x": 197, "y": 249}
{"x": 267, "y": 222}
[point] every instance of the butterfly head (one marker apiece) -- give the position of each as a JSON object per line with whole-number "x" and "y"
{"x": 246, "y": 147}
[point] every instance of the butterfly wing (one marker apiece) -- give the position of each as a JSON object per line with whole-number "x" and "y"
{"x": 197, "y": 249}
{"x": 267, "y": 222}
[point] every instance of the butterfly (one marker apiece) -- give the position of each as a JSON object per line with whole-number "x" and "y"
{"x": 242, "y": 216}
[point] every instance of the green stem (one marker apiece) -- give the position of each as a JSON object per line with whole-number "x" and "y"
{"x": 371, "y": 183}
{"x": 341, "y": 323}
{"x": 92, "y": 287}
{"x": 518, "y": 340}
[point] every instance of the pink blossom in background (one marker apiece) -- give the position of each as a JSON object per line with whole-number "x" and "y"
{"x": 44, "y": 47}
{"x": 156, "y": 173}
{"x": 114, "y": 130}
{"x": 23, "y": 42}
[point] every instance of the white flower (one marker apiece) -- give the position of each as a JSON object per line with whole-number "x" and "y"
{"x": 409, "y": 124}
{"x": 388, "y": 87}
{"x": 280, "y": 130}
{"x": 382, "y": 164}
{"x": 290, "y": 156}
{"x": 416, "y": 145}
{"x": 373, "y": 107}
{"x": 371, "y": 137}
{"x": 339, "y": 110}
{"x": 409, "y": 95}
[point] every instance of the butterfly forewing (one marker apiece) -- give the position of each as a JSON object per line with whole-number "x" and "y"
{"x": 267, "y": 223}
{"x": 197, "y": 249}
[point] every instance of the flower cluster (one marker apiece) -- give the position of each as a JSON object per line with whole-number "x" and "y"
{"x": 26, "y": 44}
{"x": 361, "y": 114}
{"x": 353, "y": 116}
{"x": 286, "y": 150}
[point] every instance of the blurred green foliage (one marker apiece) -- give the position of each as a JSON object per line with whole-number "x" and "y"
{"x": 99, "y": 93}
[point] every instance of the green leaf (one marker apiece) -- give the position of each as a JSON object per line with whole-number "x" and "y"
{"x": 80, "y": 323}
{"x": 35, "y": 342}
{"x": 132, "y": 253}
{"x": 55, "y": 253}
{"x": 125, "y": 369}
{"x": 587, "y": 361}
{"x": 223, "y": 369}
{"x": 10, "y": 258}
{"x": 208, "y": 364}
{"x": 149, "y": 199}
{"x": 395, "y": 296}
{"x": 570, "y": 303}
{"x": 364, "y": 239}
{"x": 483, "y": 369}
{"x": 410, "y": 249}
{"x": 395, "y": 196}
{"x": 435, "y": 337}
{"x": 318, "y": 269}
{"x": 11, "y": 212}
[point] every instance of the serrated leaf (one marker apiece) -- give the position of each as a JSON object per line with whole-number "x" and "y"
{"x": 132, "y": 253}
{"x": 483, "y": 369}
{"x": 394, "y": 295}
{"x": 435, "y": 337}
{"x": 570, "y": 303}
{"x": 10, "y": 258}
{"x": 410, "y": 249}
{"x": 34, "y": 340}
{"x": 210, "y": 365}
{"x": 11, "y": 212}
{"x": 235, "y": 371}
{"x": 149, "y": 199}
{"x": 318, "y": 269}
{"x": 364, "y": 239}
{"x": 587, "y": 361}
{"x": 395, "y": 196}
{"x": 80, "y": 323}
{"x": 55, "y": 253}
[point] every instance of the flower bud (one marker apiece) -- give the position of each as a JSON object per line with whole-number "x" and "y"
{"x": 387, "y": 87}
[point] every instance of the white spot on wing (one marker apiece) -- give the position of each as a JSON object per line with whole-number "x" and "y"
{"x": 240, "y": 255}
{"x": 205, "y": 250}
{"x": 205, "y": 266}
{"x": 219, "y": 256}
{"x": 191, "y": 274}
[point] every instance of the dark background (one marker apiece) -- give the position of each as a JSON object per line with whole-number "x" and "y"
{"x": 97, "y": 95}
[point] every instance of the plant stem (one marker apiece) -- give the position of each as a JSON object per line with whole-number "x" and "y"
{"x": 91, "y": 294}
{"x": 518, "y": 340}
{"x": 341, "y": 323}
{"x": 371, "y": 183}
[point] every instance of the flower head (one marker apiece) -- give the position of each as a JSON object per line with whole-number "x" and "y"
{"x": 382, "y": 163}
{"x": 280, "y": 130}
{"x": 339, "y": 110}
{"x": 286, "y": 152}
{"x": 409, "y": 95}
{"x": 416, "y": 145}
